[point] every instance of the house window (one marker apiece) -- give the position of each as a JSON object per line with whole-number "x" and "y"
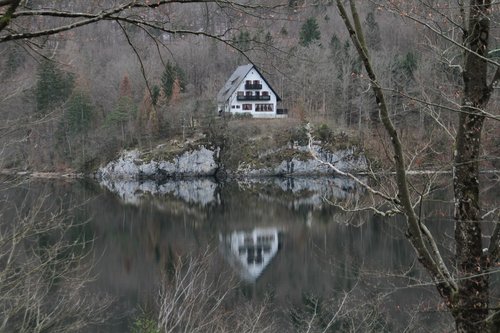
{"x": 265, "y": 93}
{"x": 237, "y": 106}
{"x": 256, "y": 82}
{"x": 247, "y": 107}
{"x": 233, "y": 107}
{"x": 264, "y": 107}
{"x": 240, "y": 93}
{"x": 248, "y": 93}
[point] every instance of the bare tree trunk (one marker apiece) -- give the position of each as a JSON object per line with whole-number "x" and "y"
{"x": 471, "y": 308}
{"x": 467, "y": 295}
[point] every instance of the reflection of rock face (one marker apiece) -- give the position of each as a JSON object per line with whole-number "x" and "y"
{"x": 198, "y": 191}
{"x": 308, "y": 191}
{"x": 338, "y": 188}
{"x": 250, "y": 252}
{"x": 293, "y": 192}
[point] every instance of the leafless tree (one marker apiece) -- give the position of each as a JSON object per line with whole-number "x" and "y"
{"x": 464, "y": 285}
{"x": 43, "y": 273}
{"x": 192, "y": 299}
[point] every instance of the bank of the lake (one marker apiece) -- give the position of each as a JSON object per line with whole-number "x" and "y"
{"x": 242, "y": 149}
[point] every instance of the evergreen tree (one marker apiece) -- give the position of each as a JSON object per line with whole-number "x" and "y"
{"x": 409, "y": 63}
{"x": 243, "y": 41}
{"x": 155, "y": 94}
{"x": 181, "y": 78}
{"x": 373, "y": 39}
{"x": 309, "y": 32}
{"x": 53, "y": 86}
{"x": 335, "y": 45}
{"x": 79, "y": 113}
{"x": 167, "y": 80}
{"x": 125, "y": 110}
{"x": 72, "y": 132}
{"x": 171, "y": 76}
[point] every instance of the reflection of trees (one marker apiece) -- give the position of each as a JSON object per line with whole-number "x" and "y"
{"x": 45, "y": 266}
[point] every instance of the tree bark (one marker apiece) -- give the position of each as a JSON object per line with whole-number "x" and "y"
{"x": 471, "y": 307}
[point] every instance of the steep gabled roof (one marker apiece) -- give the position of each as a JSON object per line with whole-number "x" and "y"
{"x": 235, "y": 80}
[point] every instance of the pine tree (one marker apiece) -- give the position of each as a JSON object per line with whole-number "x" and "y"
{"x": 79, "y": 113}
{"x": 243, "y": 42}
{"x": 373, "y": 39}
{"x": 167, "y": 80}
{"x": 171, "y": 76}
{"x": 155, "y": 94}
{"x": 53, "y": 86}
{"x": 309, "y": 32}
{"x": 125, "y": 110}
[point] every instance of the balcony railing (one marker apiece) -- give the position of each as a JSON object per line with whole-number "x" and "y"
{"x": 253, "y": 86}
{"x": 253, "y": 98}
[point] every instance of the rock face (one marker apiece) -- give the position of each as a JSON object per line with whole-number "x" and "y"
{"x": 344, "y": 160}
{"x": 203, "y": 162}
{"x": 132, "y": 165}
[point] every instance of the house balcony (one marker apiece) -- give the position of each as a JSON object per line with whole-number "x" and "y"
{"x": 253, "y": 86}
{"x": 253, "y": 98}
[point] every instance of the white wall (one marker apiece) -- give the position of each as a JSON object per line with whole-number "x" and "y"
{"x": 253, "y": 75}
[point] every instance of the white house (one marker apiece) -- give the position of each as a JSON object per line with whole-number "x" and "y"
{"x": 247, "y": 92}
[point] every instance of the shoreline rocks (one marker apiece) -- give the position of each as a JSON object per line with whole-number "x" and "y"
{"x": 204, "y": 162}
{"x": 132, "y": 165}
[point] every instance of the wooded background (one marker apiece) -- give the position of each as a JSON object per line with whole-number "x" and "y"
{"x": 153, "y": 71}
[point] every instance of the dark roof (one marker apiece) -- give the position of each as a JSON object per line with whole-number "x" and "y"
{"x": 235, "y": 80}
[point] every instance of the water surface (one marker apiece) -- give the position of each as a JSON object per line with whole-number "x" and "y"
{"x": 278, "y": 238}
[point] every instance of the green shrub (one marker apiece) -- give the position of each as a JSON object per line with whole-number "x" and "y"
{"x": 324, "y": 133}
{"x": 144, "y": 324}
{"x": 299, "y": 135}
{"x": 242, "y": 116}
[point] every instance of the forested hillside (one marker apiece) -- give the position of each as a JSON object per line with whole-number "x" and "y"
{"x": 413, "y": 84}
{"x": 72, "y": 99}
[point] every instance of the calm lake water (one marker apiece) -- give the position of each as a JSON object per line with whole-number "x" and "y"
{"x": 279, "y": 238}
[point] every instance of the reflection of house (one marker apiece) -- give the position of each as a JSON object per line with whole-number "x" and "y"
{"x": 250, "y": 252}
{"x": 247, "y": 92}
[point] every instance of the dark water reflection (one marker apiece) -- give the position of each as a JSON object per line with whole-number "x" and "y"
{"x": 277, "y": 236}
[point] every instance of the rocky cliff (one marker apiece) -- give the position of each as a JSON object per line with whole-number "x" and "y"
{"x": 205, "y": 162}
